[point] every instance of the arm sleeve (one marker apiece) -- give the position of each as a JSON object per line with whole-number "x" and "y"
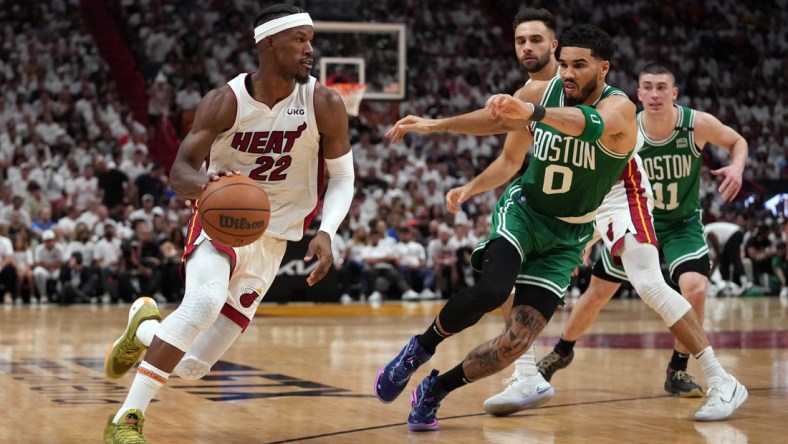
{"x": 339, "y": 193}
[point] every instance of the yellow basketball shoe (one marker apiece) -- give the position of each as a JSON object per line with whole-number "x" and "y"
{"x": 127, "y": 350}
{"x": 128, "y": 429}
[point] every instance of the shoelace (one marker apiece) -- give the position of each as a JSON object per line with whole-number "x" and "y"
{"x": 410, "y": 361}
{"x": 511, "y": 380}
{"x": 713, "y": 396}
{"x": 428, "y": 402}
{"x": 130, "y": 433}
{"x": 684, "y": 377}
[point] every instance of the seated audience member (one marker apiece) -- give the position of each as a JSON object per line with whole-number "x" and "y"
{"x": 48, "y": 258}
{"x": 77, "y": 282}
{"x": 381, "y": 270}
{"x": 23, "y": 261}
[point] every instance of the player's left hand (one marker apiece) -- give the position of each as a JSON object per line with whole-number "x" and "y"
{"x": 409, "y": 124}
{"x": 504, "y": 105}
{"x": 319, "y": 246}
{"x": 731, "y": 184}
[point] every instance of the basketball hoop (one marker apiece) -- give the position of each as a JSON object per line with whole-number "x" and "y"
{"x": 351, "y": 94}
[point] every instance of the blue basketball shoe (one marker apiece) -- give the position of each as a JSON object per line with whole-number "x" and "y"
{"x": 394, "y": 376}
{"x": 426, "y": 400}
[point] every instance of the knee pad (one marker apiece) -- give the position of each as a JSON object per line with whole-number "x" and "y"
{"x": 468, "y": 306}
{"x": 641, "y": 262}
{"x": 198, "y": 311}
{"x": 501, "y": 265}
{"x": 191, "y": 368}
{"x": 205, "y": 305}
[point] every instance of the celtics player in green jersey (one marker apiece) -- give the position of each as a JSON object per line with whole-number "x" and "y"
{"x": 674, "y": 137}
{"x": 535, "y": 44}
{"x": 583, "y": 132}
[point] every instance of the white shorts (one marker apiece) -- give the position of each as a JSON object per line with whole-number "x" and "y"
{"x": 627, "y": 209}
{"x": 253, "y": 269}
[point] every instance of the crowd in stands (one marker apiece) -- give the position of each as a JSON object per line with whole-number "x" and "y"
{"x": 75, "y": 164}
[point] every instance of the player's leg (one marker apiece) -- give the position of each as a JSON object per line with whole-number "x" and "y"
{"x": 601, "y": 289}
{"x": 526, "y": 388}
{"x": 682, "y": 321}
{"x": 686, "y": 255}
{"x": 464, "y": 309}
{"x": 256, "y": 268}
{"x": 207, "y": 279}
{"x": 541, "y": 285}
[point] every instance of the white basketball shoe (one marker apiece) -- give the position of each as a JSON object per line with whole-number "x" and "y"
{"x": 724, "y": 396}
{"x": 521, "y": 392}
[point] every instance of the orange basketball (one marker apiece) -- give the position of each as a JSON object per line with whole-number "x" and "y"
{"x": 234, "y": 211}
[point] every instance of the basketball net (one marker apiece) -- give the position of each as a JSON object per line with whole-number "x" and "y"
{"x": 351, "y": 94}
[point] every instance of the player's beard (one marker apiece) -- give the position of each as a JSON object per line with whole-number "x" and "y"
{"x": 584, "y": 94}
{"x": 540, "y": 63}
{"x": 302, "y": 79}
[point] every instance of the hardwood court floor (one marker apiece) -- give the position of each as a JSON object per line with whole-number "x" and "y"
{"x": 305, "y": 374}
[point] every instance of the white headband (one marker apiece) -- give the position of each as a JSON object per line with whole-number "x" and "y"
{"x": 280, "y": 24}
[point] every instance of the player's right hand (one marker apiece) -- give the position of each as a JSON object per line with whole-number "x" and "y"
{"x": 408, "y": 124}
{"x": 213, "y": 177}
{"x": 509, "y": 107}
{"x": 456, "y": 197}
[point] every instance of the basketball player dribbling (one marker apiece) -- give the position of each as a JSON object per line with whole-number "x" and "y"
{"x": 270, "y": 125}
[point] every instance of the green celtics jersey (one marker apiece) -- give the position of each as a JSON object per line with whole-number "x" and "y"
{"x": 673, "y": 167}
{"x": 566, "y": 176}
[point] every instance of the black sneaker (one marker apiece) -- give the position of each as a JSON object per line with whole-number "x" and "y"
{"x": 553, "y": 362}
{"x": 680, "y": 383}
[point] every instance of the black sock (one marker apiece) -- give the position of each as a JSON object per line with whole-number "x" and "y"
{"x": 453, "y": 379}
{"x": 431, "y": 338}
{"x": 564, "y": 347}
{"x": 678, "y": 361}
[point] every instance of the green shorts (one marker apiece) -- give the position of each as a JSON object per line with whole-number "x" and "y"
{"x": 550, "y": 248}
{"x": 682, "y": 244}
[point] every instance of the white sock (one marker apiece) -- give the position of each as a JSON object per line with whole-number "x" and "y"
{"x": 709, "y": 363}
{"x": 525, "y": 365}
{"x": 148, "y": 381}
{"x": 146, "y": 330}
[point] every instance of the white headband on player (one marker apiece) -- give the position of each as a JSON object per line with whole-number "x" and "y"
{"x": 280, "y": 24}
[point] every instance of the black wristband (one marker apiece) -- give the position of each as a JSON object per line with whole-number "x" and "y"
{"x": 538, "y": 114}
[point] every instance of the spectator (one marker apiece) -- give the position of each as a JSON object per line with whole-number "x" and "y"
{"x": 36, "y": 202}
{"x": 152, "y": 183}
{"x": 115, "y": 186}
{"x": 8, "y": 269}
{"x": 23, "y": 261}
{"x": 48, "y": 258}
{"x": 77, "y": 282}
{"x": 148, "y": 210}
{"x": 443, "y": 258}
{"x": 381, "y": 270}
{"x": 85, "y": 188}
{"x": 171, "y": 252}
{"x": 43, "y": 223}
{"x": 780, "y": 267}
{"x": 135, "y": 166}
{"x": 413, "y": 263}
{"x": 759, "y": 250}
{"x": 68, "y": 222}
{"x": 107, "y": 255}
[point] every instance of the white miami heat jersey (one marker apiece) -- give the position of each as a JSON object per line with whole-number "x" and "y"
{"x": 279, "y": 148}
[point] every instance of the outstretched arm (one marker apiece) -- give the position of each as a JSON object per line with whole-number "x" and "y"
{"x": 615, "y": 115}
{"x": 478, "y": 122}
{"x": 709, "y": 129}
